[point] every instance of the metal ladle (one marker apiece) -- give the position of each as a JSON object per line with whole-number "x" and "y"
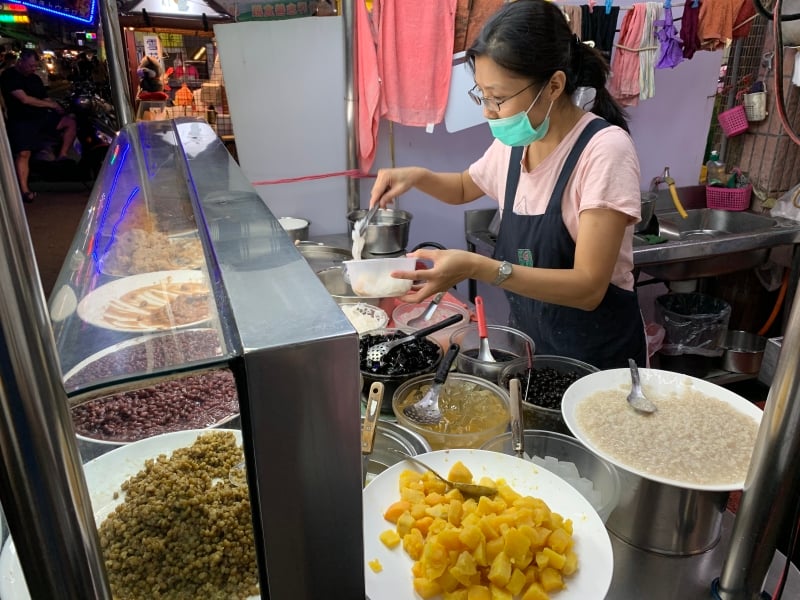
{"x": 472, "y": 490}
{"x": 484, "y": 352}
{"x": 636, "y": 398}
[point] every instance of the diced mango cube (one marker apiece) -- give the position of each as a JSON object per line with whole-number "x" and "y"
{"x": 426, "y": 588}
{"x": 551, "y": 579}
{"x": 500, "y": 571}
{"x": 389, "y": 538}
{"x": 375, "y": 565}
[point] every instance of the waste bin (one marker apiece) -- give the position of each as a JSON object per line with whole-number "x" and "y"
{"x": 694, "y": 323}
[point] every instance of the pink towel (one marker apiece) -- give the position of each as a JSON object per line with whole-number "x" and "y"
{"x": 369, "y": 87}
{"x": 415, "y": 55}
{"x": 624, "y": 84}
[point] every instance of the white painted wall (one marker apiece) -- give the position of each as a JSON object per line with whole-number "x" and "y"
{"x": 285, "y": 84}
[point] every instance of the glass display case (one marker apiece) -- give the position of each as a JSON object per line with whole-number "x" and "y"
{"x": 179, "y": 277}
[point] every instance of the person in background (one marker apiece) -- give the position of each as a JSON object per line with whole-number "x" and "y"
{"x": 33, "y": 118}
{"x": 181, "y": 72}
{"x": 566, "y": 181}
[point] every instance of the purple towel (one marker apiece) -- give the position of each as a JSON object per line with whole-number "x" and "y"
{"x": 670, "y": 52}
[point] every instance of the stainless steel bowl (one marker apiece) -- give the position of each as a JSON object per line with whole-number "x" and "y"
{"x": 648, "y": 208}
{"x": 389, "y": 438}
{"x": 333, "y": 280}
{"x": 744, "y": 351}
{"x": 295, "y": 227}
{"x": 321, "y": 256}
{"x": 386, "y": 233}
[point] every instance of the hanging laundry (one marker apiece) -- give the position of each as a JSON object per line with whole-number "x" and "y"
{"x": 369, "y": 87}
{"x": 715, "y": 23}
{"x": 575, "y": 18}
{"x": 691, "y": 43}
{"x": 670, "y": 52}
{"x": 648, "y": 48}
{"x": 599, "y": 27}
{"x": 624, "y": 84}
{"x": 470, "y": 17}
{"x": 415, "y": 56}
{"x": 744, "y": 20}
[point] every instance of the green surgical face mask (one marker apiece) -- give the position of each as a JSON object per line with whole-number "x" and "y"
{"x": 517, "y": 130}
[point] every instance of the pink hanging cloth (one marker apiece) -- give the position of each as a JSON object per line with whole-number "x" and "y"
{"x": 415, "y": 56}
{"x": 369, "y": 87}
{"x": 625, "y": 64}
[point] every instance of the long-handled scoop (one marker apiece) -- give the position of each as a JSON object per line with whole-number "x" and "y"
{"x": 636, "y": 398}
{"x": 517, "y": 435}
{"x": 426, "y": 315}
{"x": 484, "y": 352}
{"x": 378, "y": 351}
{"x": 426, "y": 409}
{"x": 472, "y": 490}
{"x": 369, "y": 425}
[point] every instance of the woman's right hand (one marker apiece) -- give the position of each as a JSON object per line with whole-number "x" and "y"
{"x": 390, "y": 183}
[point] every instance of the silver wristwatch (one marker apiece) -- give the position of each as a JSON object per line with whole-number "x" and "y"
{"x": 503, "y": 272}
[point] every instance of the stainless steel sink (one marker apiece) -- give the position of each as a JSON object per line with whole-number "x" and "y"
{"x": 710, "y": 223}
{"x": 711, "y": 242}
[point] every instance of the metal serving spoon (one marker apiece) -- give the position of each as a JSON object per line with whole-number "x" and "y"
{"x": 426, "y": 315}
{"x": 472, "y": 490}
{"x": 636, "y": 398}
{"x": 378, "y": 351}
{"x": 484, "y": 352}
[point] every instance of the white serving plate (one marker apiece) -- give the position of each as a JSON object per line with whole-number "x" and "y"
{"x": 654, "y": 379}
{"x": 92, "y": 308}
{"x": 104, "y": 476}
{"x": 592, "y": 544}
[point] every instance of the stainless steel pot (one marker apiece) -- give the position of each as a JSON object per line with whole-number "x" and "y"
{"x": 386, "y": 233}
{"x": 666, "y": 519}
{"x": 296, "y": 227}
{"x": 648, "y": 208}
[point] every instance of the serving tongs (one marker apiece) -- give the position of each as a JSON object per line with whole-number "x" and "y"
{"x": 362, "y": 223}
{"x": 377, "y": 352}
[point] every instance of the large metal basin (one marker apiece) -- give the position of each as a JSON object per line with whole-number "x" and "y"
{"x": 711, "y": 242}
{"x": 711, "y": 223}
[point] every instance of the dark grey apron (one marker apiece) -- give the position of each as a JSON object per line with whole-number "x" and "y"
{"x": 604, "y": 337}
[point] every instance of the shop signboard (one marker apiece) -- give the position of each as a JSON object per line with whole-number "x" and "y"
{"x": 272, "y": 10}
{"x": 82, "y": 11}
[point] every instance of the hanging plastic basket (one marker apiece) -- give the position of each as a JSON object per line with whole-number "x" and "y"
{"x": 733, "y": 121}
{"x": 729, "y": 198}
{"x": 755, "y": 106}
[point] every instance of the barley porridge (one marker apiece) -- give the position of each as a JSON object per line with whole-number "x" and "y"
{"x": 692, "y": 438}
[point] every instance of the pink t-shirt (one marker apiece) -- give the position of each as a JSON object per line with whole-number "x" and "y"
{"x": 606, "y": 176}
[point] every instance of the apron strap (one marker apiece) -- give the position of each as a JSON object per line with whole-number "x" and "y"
{"x": 572, "y": 159}
{"x": 512, "y": 178}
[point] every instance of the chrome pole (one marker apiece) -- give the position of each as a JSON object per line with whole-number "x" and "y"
{"x": 772, "y": 486}
{"x": 351, "y": 103}
{"x": 115, "y": 54}
{"x": 42, "y": 486}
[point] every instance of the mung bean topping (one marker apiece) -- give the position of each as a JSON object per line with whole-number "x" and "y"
{"x": 183, "y": 531}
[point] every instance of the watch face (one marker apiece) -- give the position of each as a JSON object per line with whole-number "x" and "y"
{"x": 505, "y": 268}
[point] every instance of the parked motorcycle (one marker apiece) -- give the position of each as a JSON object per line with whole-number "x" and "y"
{"x": 96, "y": 127}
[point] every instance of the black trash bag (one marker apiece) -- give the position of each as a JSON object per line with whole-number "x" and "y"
{"x": 694, "y": 323}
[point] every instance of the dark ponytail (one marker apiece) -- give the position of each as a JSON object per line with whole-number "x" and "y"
{"x": 532, "y": 39}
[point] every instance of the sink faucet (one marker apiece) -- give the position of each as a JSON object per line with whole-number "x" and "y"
{"x": 666, "y": 178}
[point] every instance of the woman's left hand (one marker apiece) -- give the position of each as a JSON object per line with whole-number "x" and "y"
{"x": 448, "y": 267}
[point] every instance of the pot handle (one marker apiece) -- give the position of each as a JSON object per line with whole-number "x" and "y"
{"x": 428, "y": 245}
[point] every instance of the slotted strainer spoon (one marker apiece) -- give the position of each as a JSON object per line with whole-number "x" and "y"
{"x": 484, "y": 352}
{"x": 468, "y": 489}
{"x": 378, "y": 351}
{"x": 426, "y": 410}
{"x": 636, "y": 398}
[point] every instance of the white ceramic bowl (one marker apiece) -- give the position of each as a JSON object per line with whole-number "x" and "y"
{"x": 655, "y": 384}
{"x": 372, "y": 278}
